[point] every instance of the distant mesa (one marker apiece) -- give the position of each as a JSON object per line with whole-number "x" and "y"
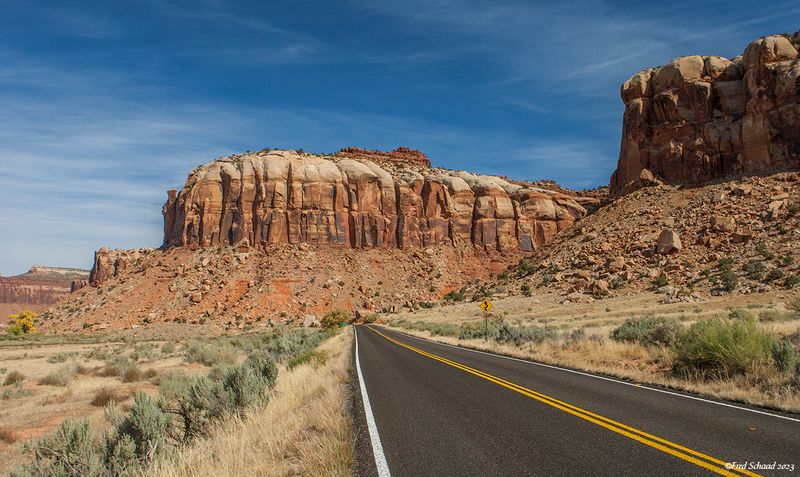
{"x": 38, "y": 288}
{"x": 704, "y": 118}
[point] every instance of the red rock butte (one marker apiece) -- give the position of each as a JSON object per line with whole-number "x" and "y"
{"x": 704, "y": 118}
{"x": 359, "y": 198}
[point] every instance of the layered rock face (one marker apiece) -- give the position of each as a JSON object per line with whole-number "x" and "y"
{"x": 39, "y": 287}
{"x": 701, "y": 118}
{"x": 350, "y": 201}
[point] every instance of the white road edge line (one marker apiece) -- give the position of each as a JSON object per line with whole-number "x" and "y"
{"x": 604, "y": 378}
{"x": 374, "y": 437}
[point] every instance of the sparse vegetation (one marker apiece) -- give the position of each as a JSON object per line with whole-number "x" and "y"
{"x": 648, "y": 331}
{"x": 723, "y": 347}
{"x": 14, "y": 378}
{"x": 784, "y": 354}
{"x": 335, "y": 319}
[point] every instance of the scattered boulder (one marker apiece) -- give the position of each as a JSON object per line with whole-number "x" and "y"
{"x": 668, "y": 242}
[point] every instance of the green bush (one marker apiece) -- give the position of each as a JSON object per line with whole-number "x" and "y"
{"x": 525, "y": 268}
{"x": 336, "y": 318}
{"x": 762, "y": 249}
{"x": 519, "y": 335}
{"x": 456, "y": 295}
{"x": 265, "y": 368}
{"x": 784, "y": 354}
{"x": 725, "y": 264}
{"x": 203, "y": 403}
{"x": 725, "y": 347}
{"x": 242, "y": 386}
{"x": 168, "y": 348}
{"x": 791, "y": 281}
{"x": 729, "y": 280}
{"x": 67, "y": 452}
{"x": 649, "y": 330}
{"x": 660, "y": 281}
{"x": 210, "y": 354}
{"x": 774, "y": 274}
{"x": 525, "y": 289}
{"x": 145, "y": 427}
{"x": 754, "y": 270}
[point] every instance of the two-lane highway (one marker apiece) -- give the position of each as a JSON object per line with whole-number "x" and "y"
{"x": 441, "y": 410}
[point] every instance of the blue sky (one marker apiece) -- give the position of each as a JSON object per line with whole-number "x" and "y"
{"x": 105, "y": 105}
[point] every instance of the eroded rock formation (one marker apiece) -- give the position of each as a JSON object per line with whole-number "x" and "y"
{"x": 110, "y": 263}
{"x": 350, "y": 201}
{"x": 701, "y": 118}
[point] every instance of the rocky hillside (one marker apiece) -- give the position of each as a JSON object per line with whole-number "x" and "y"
{"x": 703, "y": 118}
{"x": 688, "y": 243}
{"x": 284, "y": 236}
{"x": 38, "y": 288}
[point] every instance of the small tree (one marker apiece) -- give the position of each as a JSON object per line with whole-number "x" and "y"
{"x": 22, "y": 323}
{"x": 335, "y": 318}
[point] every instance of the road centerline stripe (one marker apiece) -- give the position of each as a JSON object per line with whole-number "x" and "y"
{"x": 374, "y": 438}
{"x": 695, "y": 457}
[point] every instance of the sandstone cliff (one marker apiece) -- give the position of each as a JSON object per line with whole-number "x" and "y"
{"x": 701, "y": 118}
{"x": 350, "y": 201}
{"x": 38, "y": 288}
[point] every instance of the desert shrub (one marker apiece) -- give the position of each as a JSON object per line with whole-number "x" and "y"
{"x": 67, "y": 452}
{"x": 784, "y": 354}
{"x": 14, "y": 378}
{"x": 729, "y": 280}
{"x": 145, "y": 427}
{"x": 132, "y": 374}
{"x": 427, "y": 305}
{"x": 525, "y": 268}
{"x": 740, "y": 314}
{"x": 762, "y": 249}
{"x": 775, "y": 315}
{"x": 203, "y": 402}
{"x": 660, "y": 281}
{"x": 174, "y": 384}
{"x": 336, "y": 318}
{"x": 456, "y": 295}
{"x": 725, "y": 264}
{"x": 774, "y": 274}
{"x": 791, "y": 281}
{"x": 519, "y": 335}
{"x": 754, "y": 270}
{"x": 479, "y": 330}
{"x": 210, "y": 354}
{"x": 168, "y": 348}
{"x": 15, "y": 392}
{"x": 793, "y": 303}
{"x": 525, "y": 289}
{"x": 287, "y": 342}
{"x": 242, "y": 386}
{"x": 60, "y": 377}
{"x": 650, "y": 330}
{"x": 22, "y": 323}
{"x": 60, "y": 357}
{"x": 724, "y": 347}
{"x": 370, "y": 318}
{"x": 103, "y": 396}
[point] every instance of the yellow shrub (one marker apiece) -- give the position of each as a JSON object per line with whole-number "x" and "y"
{"x": 22, "y": 323}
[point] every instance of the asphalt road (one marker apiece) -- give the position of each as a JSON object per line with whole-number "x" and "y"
{"x": 443, "y": 411}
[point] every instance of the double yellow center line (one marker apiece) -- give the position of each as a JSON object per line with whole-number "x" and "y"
{"x": 671, "y": 448}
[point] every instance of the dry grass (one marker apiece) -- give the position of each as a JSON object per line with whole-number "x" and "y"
{"x": 303, "y": 430}
{"x": 642, "y": 364}
{"x": 32, "y": 410}
{"x": 104, "y": 396}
